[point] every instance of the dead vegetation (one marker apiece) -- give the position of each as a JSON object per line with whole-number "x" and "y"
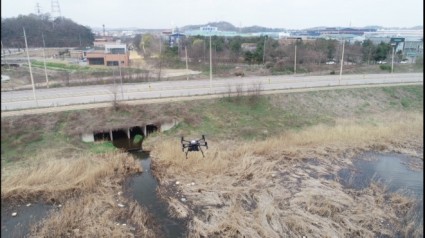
{"x": 266, "y": 188}
{"x": 96, "y": 215}
{"x": 89, "y": 191}
{"x": 55, "y": 180}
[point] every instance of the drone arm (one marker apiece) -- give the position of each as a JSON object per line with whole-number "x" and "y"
{"x": 204, "y": 144}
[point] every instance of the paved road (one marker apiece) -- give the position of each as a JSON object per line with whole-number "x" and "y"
{"x": 54, "y": 97}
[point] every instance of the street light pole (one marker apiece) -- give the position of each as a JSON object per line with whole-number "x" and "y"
{"x": 342, "y": 61}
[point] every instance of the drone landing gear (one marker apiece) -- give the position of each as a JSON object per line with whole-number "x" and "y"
{"x": 203, "y": 156}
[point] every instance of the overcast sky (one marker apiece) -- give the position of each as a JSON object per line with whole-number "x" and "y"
{"x": 289, "y": 14}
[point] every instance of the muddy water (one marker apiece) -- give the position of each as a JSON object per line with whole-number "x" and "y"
{"x": 127, "y": 144}
{"x": 142, "y": 188}
{"x": 27, "y": 216}
{"x": 392, "y": 170}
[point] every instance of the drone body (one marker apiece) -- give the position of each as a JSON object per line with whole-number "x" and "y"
{"x": 194, "y": 145}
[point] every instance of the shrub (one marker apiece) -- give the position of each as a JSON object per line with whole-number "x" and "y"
{"x": 385, "y": 67}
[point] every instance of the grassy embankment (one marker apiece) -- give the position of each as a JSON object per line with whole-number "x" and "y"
{"x": 263, "y": 187}
{"x": 253, "y": 172}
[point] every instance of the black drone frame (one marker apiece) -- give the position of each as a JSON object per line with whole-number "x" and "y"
{"x": 194, "y": 145}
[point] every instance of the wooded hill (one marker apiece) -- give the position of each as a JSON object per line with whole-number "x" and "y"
{"x": 60, "y": 32}
{"x": 226, "y": 26}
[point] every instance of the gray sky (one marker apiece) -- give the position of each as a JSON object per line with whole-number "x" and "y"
{"x": 290, "y": 14}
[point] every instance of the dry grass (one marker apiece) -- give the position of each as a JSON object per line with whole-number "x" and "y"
{"x": 96, "y": 215}
{"x": 89, "y": 188}
{"x": 264, "y": 188}
{"x": 58, "y": 179}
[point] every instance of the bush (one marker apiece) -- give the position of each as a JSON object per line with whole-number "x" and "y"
{"x": 137, "y": 139}
{"x": 269, "y": 65}
{"x": 332, "y": 72}
{"x": 385, "y": 67}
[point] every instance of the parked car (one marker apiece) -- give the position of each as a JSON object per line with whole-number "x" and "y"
{"x": 330, "y": 62}
{"x": 382, "y": 62}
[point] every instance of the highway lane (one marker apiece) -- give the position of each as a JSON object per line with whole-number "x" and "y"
{"x": 16, "y": 100}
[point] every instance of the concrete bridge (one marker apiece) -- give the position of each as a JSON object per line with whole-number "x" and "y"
{"x": 129, "y": 132}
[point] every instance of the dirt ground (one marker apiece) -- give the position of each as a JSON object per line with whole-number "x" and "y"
{"x": 287, "y": 186}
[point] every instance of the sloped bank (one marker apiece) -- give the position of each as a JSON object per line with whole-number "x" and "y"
{"x": 83, "y": 197}
{"x": 289, "y": 185}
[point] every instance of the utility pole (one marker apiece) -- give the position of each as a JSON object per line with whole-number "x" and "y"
{"x": 122, "y": 92}
{"x": 3, "y": 53}
{"x": 210, "y": 66}
{"x": 160, "y": 57}
{"x": 264, "y": 49}
{"x": 187, "y": 69}
{"x": 29, "y": 64}
{"x": 44, "y": 58}
{"x": 392, "y": 60}
{"x": 295, "y": 59}
{"x": 342, "y": 61}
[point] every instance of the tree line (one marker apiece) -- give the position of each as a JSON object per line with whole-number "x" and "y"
{"x": 278, "y": 54}
{"x": 58, "y": 32}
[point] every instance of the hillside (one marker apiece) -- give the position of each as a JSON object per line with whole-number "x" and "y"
{"x": 59, "y": 32}
{"x": 226, "y": 26}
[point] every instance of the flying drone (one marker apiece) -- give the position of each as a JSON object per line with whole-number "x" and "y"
{"x": 194, "y": 145}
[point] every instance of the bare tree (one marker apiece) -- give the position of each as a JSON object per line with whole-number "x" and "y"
{"x": 254, "y": 92}
{"x": 114, "y": 91}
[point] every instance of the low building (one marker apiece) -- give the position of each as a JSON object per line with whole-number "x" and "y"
{"x": 413, "y": 49}
{"x": 111, "y": 55}
{"x": 251, "y": 47}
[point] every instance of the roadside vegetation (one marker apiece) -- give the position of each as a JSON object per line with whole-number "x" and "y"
{"x": 257, "y": 178}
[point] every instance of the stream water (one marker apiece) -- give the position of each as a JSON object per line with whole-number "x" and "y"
{"x": 142, "y": 188}
{"x": 26, "y": 216}
{"x": 391, "y": 170}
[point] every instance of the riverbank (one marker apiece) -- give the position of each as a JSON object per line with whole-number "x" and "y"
{"x": 81, "y": 196}
{"x": 289, "y": 185}
{"x": 271, "y": 159}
